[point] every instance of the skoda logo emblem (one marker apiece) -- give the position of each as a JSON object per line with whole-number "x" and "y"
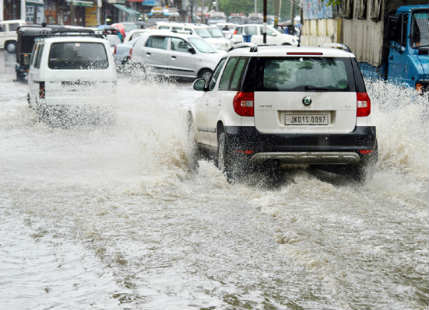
{"x": 306, "y": 100}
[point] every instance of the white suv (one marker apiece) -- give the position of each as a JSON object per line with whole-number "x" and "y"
{"x": 277, "y": 106}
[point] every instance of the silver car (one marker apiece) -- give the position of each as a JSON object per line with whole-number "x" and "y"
{"x": 175, "y": 55}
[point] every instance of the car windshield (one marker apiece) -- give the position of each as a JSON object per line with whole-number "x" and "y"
{"x": 78, "y": 55}
{"x": 202, "y": 46}
{"x": 202, "y": 32}
{"x": 420, "y": 29}
{"x": 306, "y": 74}
{"x": 215, "y": 32}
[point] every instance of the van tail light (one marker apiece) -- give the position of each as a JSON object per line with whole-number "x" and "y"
{"x": 363, "y": 104}
{"x": 42, "y": 90}
{"x": 235, "y": 31}
{"x": 244, "y": 103}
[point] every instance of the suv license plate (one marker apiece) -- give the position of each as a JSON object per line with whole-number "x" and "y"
{"x": 312, "y": 119}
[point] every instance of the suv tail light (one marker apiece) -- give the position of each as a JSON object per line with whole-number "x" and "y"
{"x": 244, "y": 103}
{"x": 42, "y": 90}
{"x": 363, "y": 104}
{"x": 114, "y": 50}
{"x": 130, "y": 53}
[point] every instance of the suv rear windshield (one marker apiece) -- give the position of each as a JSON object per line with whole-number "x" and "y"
{"x": 300, "y": 74}
{"x": 78, "y": 56}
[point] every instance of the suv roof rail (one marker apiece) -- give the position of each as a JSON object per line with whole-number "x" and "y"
{"x": 340, "y": 46}
{"x": 57, "y": 30}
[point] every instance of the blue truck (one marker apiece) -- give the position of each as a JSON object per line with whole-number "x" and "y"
{"x": 390, "y": 38}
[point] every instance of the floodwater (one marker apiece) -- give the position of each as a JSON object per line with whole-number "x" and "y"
{"x": 111, "y": 217}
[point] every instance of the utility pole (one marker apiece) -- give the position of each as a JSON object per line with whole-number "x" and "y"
{"x": 277, "y": 10}
{"x": 265, "y": 22}
{"x": 292, "y": 13}
{"x": 256, "y": 6}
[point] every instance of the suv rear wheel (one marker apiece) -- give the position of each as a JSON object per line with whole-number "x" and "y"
{"x": 224, "y": 156}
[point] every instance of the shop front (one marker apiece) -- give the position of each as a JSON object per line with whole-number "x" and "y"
{"x": 78, "y": 11}
{"x": 11, "y": 9}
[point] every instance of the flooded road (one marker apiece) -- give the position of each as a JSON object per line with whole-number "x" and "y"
{"x": 111, "y": 217}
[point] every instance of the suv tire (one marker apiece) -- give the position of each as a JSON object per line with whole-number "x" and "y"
{"x": 224, "y": 160}
{"x": 193, "y": 152}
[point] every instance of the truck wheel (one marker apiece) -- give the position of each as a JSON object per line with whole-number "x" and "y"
{"x": 10, "y": 47}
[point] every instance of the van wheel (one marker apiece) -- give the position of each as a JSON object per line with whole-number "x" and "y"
{"x": 10, "y": 47}
{"x": 205, "y": 74}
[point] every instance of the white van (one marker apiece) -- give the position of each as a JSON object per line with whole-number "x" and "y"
{"x": 8, "y": 34}
{"x": 71, "y": 71}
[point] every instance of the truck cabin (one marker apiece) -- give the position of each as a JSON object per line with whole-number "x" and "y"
{"x": 410, "y": 23}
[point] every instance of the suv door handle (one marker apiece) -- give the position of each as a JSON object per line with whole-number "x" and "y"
{"x": 173, "y": 57}
{"x": 147, "y": 53}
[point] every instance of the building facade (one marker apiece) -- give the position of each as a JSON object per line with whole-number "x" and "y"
{"x": 74, "y": 12}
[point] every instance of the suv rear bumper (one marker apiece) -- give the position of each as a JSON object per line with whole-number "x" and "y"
{"x": 304, "y": 148}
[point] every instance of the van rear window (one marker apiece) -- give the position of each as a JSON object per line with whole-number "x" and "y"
{"x": 78, "y": 56}
{"x": 301, "y": 74}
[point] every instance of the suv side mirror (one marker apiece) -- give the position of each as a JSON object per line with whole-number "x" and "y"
{"x": 199, "y": 84}
{"x": 192, "y": 50}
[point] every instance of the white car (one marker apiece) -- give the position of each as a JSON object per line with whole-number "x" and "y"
{"x": 209, "y": 33}
{"x": 8, "y": 35}
{"x": 218, "y": 39}
{"x": 276, "y": 106}
{"x": 69, "y": 72}
{"x": 172, "y": 54}
{"x": 255, "y": 31}
{"x": 122, "y": 52}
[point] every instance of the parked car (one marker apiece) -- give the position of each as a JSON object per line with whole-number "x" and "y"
{"x": 255, "y": 31}
{"x": 216, "y": 17}
{"x": 123, "y": 51}
{"x": 173, "y": 54}
{"x": 275, "y": 106}
{"x": 237, "y": 19}
{"x": 71, "y": 73}
{"x": 227, "y": 29}
{"x": 217, "y": 39}
{"x": 8, "y": 36}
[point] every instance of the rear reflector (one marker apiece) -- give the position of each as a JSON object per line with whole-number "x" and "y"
{"x": 244, "y": 103}
{"x": 304, "y": 53}
{"x": 246, "y": 152}
{"x": 365, "y": 152}
{"x": 363, "y": 104}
